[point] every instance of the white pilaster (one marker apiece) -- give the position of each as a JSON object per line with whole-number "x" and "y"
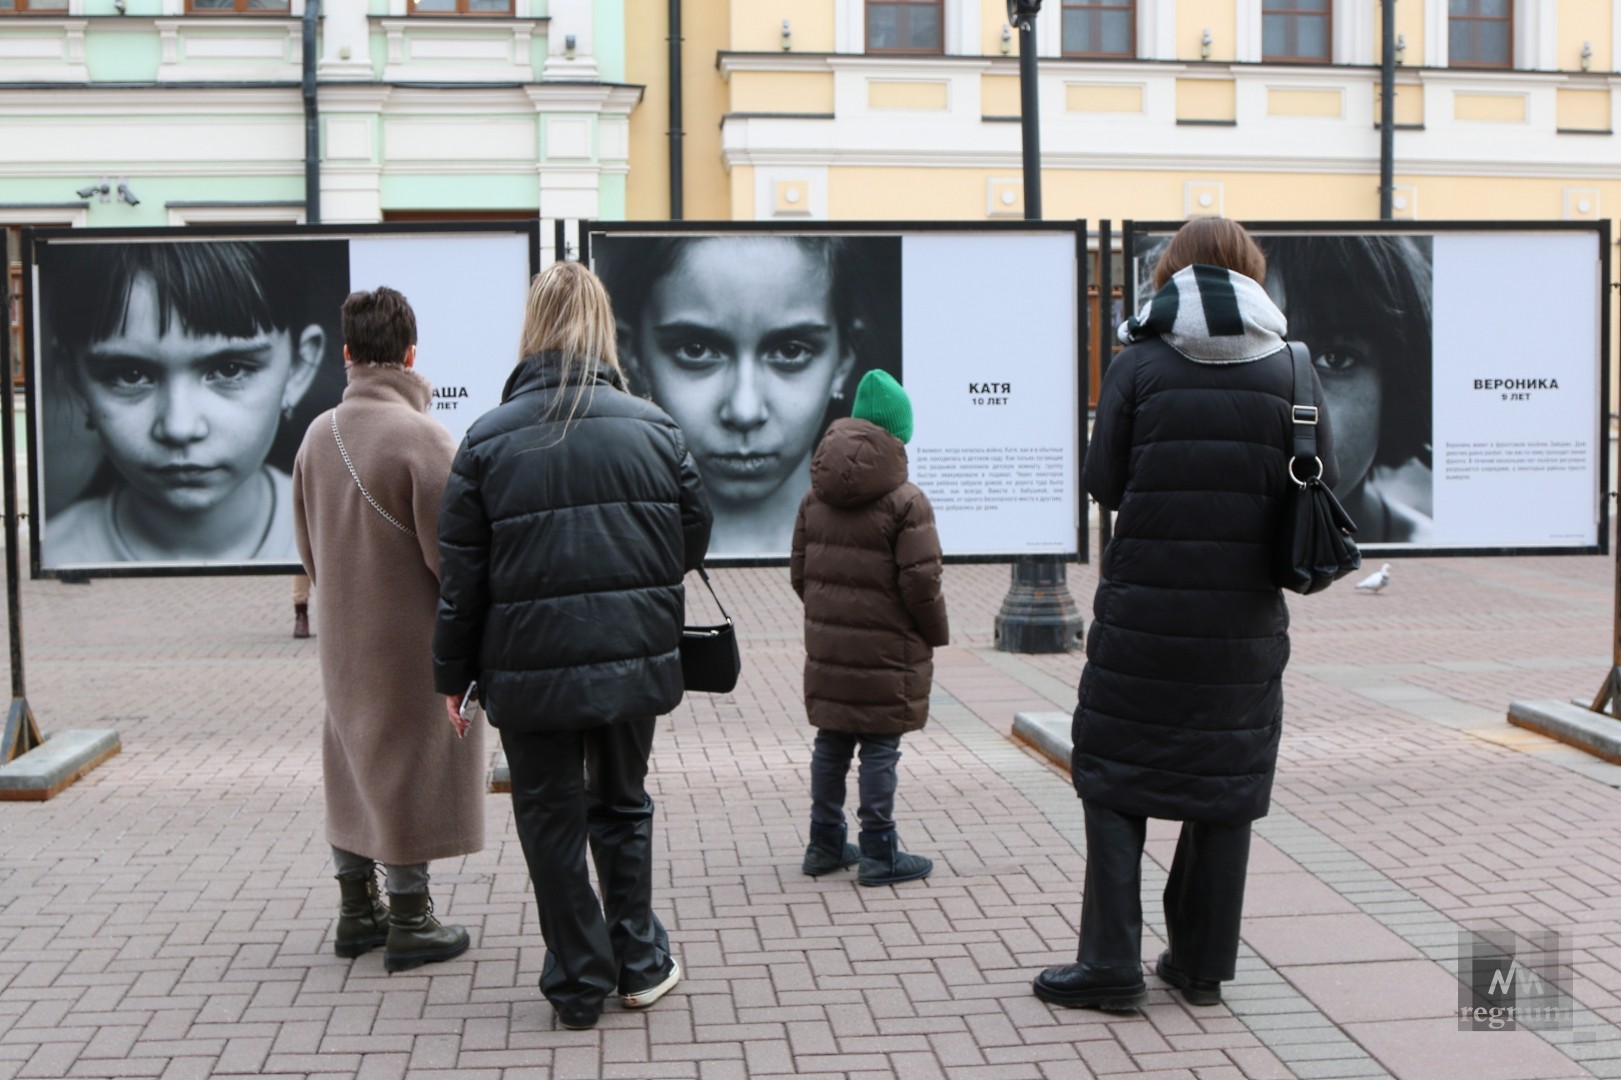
{"x": 570, "y": 19}
{"x": 1156, "y": 29}
{"x": 1353, "y": 30}
{"x": 345, "y": 40}
{"x": 1247, "y": 25}
{"x": 850, "y": 26}
{"x": 1435, "y": 35}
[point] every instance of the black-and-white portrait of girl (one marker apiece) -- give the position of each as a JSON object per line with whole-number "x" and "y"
{"x": 1363, "y": 305}
{"x": 175, "y": 383}
{"x": 753, "y": 344}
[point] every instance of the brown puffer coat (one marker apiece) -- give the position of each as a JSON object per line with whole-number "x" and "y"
{"x": 866, "y": 561}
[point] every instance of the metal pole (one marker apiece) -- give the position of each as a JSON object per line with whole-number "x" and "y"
{"x": 312, "y": 120}
{"x": 1387, "y": 109}
{"x": 1105, "y": 340}
{"x": 1038, "y": 614}
{"x": 21, "y": 732}
{"x": 1030, "y": 116}
{"x": 677, "y": 194}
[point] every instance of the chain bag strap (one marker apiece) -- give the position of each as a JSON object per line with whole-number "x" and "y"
{"x": 388, "y": 517}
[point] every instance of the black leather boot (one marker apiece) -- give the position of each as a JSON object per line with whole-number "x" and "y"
{"x": 884, "y": 863}
{"x": 362, "y": 918}
{"x": 1194, "y": 991}
{"x": 828, "y": 851}
{"x": 301, "y": 620}
{"x": 1089, "y": 986}
{"x": 415, "y": 937}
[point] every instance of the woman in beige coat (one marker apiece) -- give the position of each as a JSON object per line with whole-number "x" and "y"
{"x": 402, "y": 786}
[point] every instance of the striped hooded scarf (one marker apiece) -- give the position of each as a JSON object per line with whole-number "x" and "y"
{"x": 1211, "y": 315}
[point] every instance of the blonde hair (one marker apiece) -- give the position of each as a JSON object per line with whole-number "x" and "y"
{"x": 568, "y": 314}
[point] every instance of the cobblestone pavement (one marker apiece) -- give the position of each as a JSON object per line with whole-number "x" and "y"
{"x": 169, "y": 915}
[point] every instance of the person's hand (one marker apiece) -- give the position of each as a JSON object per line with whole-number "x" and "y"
{"x": 453, "y": 708}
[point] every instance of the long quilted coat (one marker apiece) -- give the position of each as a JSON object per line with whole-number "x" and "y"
{"x": 1181, "y": 700}
{"x": 866, "y": 561}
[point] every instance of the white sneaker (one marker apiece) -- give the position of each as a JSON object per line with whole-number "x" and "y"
{"x": 641, "y": 999}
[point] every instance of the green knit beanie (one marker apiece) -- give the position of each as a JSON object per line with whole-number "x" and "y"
{"x": 880, "y": 399}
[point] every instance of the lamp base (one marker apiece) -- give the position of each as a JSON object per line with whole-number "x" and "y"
{"x": 1038, "y": 613}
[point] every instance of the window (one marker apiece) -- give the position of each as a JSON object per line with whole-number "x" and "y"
{"x": 11, "y": 7}
{"x": 1480, "y": 33}
{"x": 1296, "y": 31}
{"x": 461, "y": 7}
{"x": 905, "y": 26}
{"x": 1100, "y": 27}
{"x": 236, "y": 7}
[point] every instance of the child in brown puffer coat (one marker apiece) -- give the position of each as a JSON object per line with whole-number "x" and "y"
{"x": 866, "y": 562}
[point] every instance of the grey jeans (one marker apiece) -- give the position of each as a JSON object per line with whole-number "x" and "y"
{"x": 830, "y": 765}
{"x": 402, "y": 879}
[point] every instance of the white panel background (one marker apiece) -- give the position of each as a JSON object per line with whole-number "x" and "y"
{"x": 468, "y": 294}
{"x": 994, "y": 308}
{"x": 1517, "y": 306}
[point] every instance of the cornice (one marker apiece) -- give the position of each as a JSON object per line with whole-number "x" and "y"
{"x": 1088, "y": 161}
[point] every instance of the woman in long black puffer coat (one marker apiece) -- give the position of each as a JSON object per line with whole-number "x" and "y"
{"x": 1181, "y": 700}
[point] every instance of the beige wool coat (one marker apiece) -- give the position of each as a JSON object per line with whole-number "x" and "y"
{"x": 401, "y": 788}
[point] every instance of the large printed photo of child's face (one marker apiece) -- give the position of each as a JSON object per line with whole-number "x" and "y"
{"x": 1363, "y": 306}
{"x": 753, "y": 345}
{"x": 175, "y": 381}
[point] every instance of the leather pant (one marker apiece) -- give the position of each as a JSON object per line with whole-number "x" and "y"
{"x": 567, "y": 788}
{"x": 1204, "y": 895}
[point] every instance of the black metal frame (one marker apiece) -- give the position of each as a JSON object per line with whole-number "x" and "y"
{"x": 529, "y": 227}
{"x": 1601, "y": 229}
{"x": 1082, "y": 550}
{"x": 21, "y": 733}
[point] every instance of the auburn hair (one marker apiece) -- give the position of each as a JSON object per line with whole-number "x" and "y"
{"x": 1211, "y": 241}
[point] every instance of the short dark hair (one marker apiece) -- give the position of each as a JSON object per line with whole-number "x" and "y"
{"x": 230, "y": 288}
{"x": 378, "y": 326}
{"x": 1211, "y": 241}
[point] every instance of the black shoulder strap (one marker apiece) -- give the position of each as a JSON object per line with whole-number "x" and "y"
{"x": 1304, "y": 411}
{"x": 703, "y": 574}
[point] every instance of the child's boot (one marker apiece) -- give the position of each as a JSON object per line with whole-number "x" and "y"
{"x": 884, "y": 863}
{"x": 828, "y": 852}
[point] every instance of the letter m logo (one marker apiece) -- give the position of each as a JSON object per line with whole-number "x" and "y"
{"x": 1517, "y": 980}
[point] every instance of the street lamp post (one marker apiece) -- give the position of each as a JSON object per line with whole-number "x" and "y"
{"x": 1038, "y": 614}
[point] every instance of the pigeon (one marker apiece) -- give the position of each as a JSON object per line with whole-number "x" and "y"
{"x": 1374, "y": 582}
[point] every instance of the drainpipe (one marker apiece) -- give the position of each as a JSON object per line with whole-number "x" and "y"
{"x": 1387, "y": 109}
{"x": 312, "y": 119}
{"x": 676, "y": 194}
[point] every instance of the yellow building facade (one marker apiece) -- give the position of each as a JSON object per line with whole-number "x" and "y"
{"x": 1150, "y": 109}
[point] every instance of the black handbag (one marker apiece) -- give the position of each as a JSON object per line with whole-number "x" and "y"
{"x": 709, "y": 657}
{"x": 1315, "y": 548}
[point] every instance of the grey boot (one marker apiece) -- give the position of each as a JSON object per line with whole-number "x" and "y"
{"x": 828, "y": 852}
{"x": 363, "y": 917}
{"x": 884, "y": 863}
{"x": 415, "y": 937}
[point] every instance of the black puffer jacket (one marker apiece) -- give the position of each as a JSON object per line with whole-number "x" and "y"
{"x": 1181, "y": 701}
{"x": 562, "y": 557}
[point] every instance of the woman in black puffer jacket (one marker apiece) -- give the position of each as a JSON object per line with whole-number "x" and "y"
{"x": 572, "y": 513}
{"x": 1181, "y": 700}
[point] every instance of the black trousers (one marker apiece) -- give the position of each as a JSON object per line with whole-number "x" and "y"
{"x": 1204, "y": 895}
{"x": 567, "y": 788}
